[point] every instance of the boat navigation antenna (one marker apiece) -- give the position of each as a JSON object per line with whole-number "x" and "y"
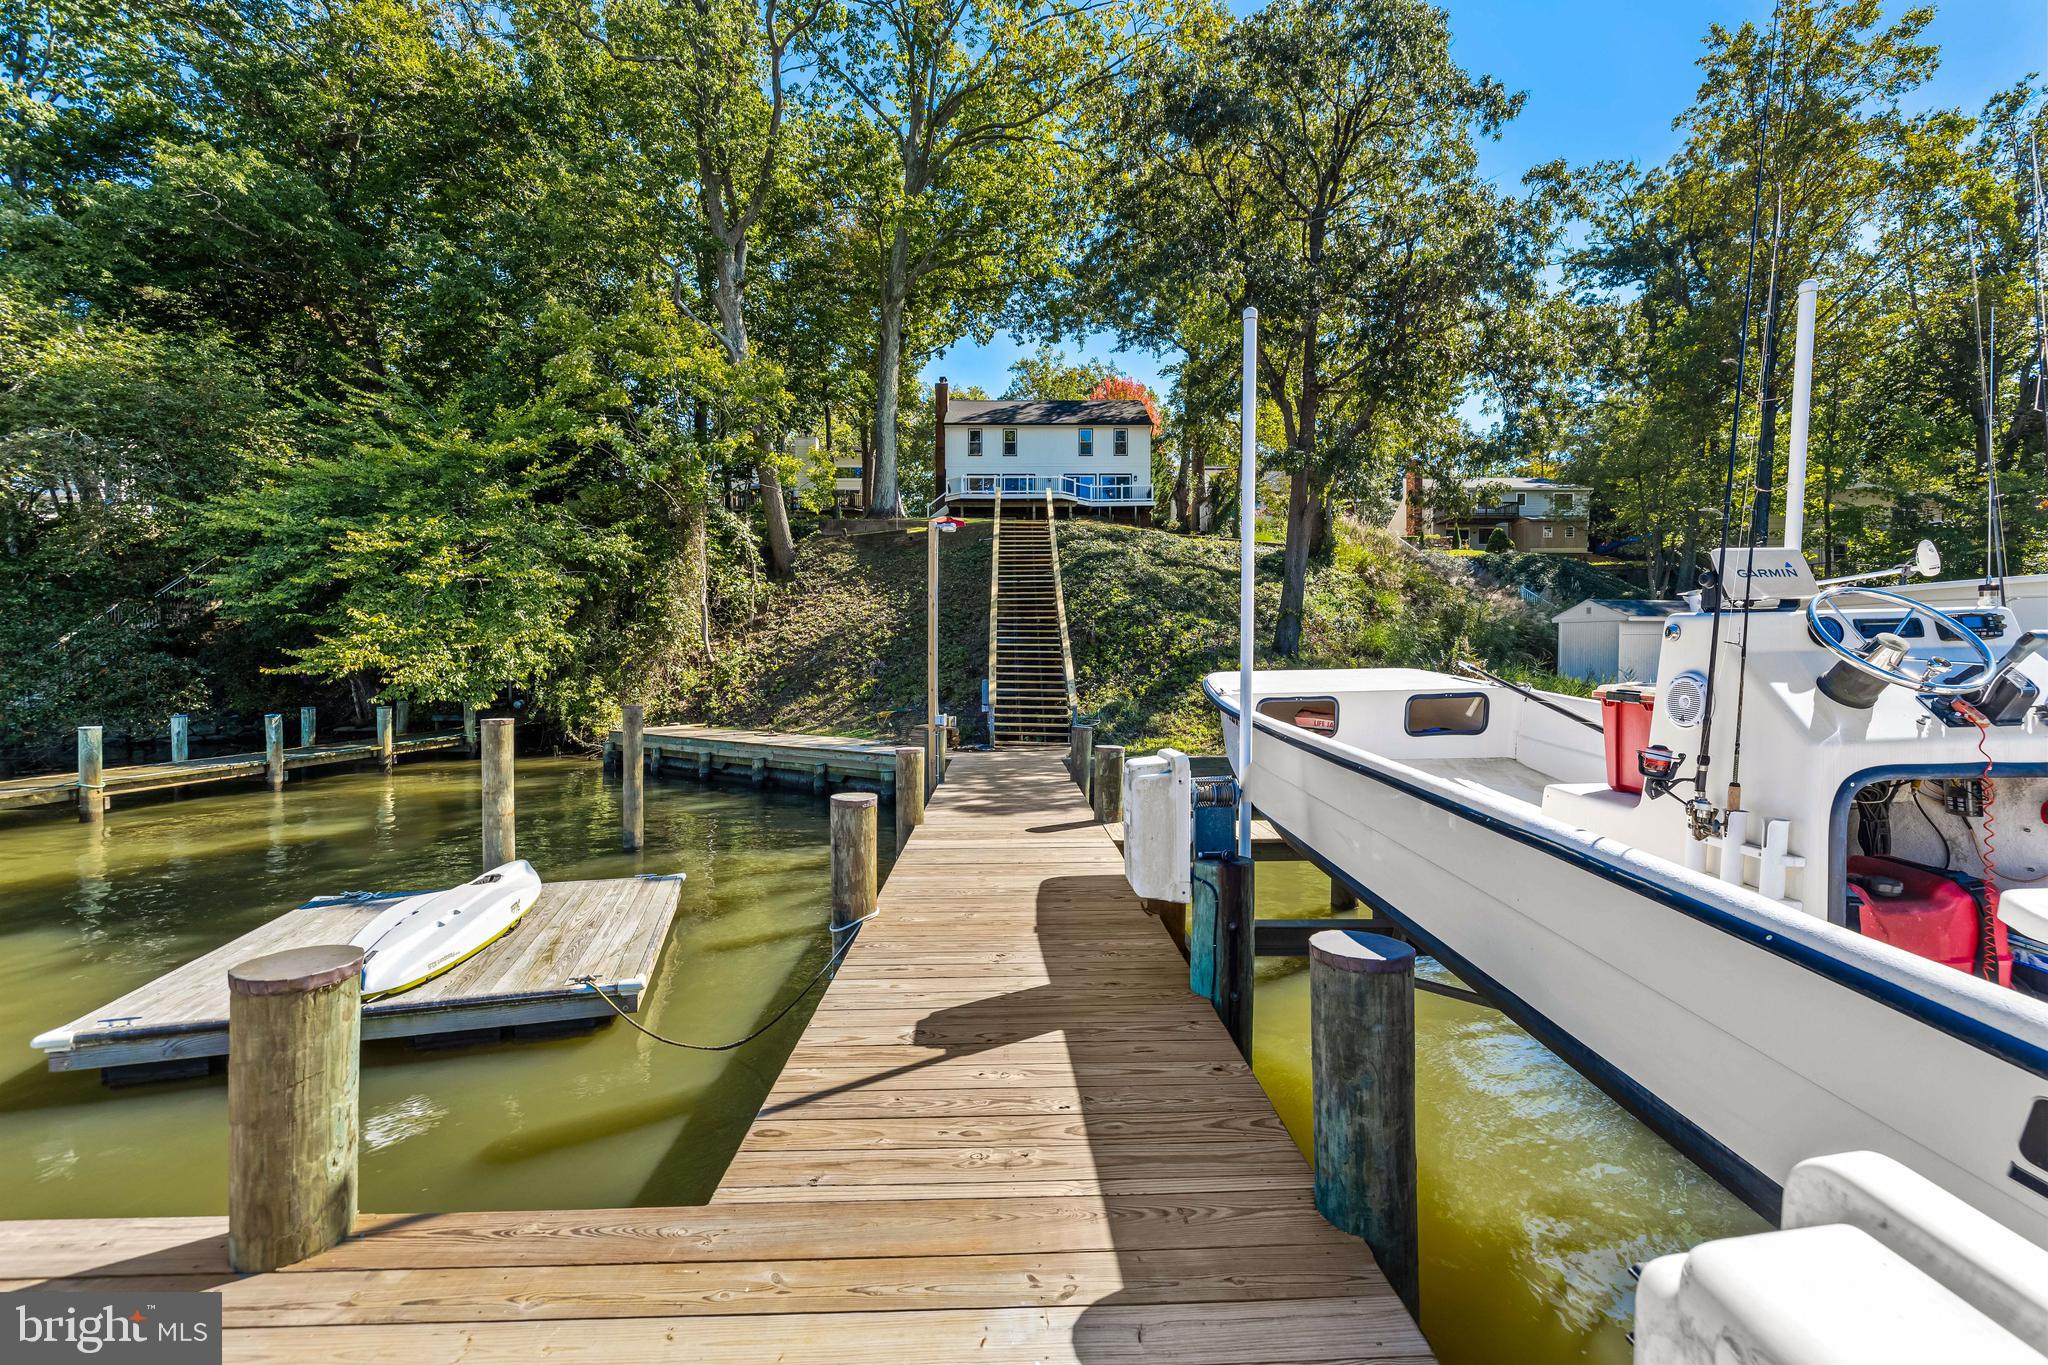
{"x": 1802, "y": 416}
{"x": 1247, "y": 532}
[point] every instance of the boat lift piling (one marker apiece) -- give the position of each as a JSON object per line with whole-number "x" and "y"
{"x": 909, "y": 793}
{"x": 273, "y": 750}
{"x": 92, "y": 783}
{"x": 1108, "y": 799}
{"x": 295, "y": 1018}
{"x": 633, "y": 776}
{"x": 1362, "y": 1068}
{"x": 853, "y": 857}
{"x": 500, "y": 832}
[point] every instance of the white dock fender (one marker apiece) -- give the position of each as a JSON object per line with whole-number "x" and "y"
{"x": 1159, "y": 825}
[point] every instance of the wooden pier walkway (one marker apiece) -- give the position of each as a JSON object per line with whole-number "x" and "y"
{"x": 54, "y": 789}
{"x": 1010, "y": 1135}
{"x": 816, "y": 761}
{"x": 613, "y": 930}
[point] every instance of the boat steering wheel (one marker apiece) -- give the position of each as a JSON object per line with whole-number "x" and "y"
{"x": 1922, "y": 682}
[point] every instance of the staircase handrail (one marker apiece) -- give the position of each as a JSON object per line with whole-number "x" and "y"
{"x": 995, "y": 579}
{"x": 1059, "y": 597}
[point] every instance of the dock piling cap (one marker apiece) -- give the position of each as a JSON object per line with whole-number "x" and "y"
{"x": 1354, "y": 950}
{"x": 296, "y": 969}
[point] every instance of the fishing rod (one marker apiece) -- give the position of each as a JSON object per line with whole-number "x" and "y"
{"x": 1467, "y": 666}
{"x": 1704, "y": 821}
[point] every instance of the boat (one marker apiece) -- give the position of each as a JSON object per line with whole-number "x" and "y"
{"x": 1769, "y": 903}
{"x": 423, "y": 936}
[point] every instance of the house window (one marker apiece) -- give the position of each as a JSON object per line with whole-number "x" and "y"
{"x": 1116, "y": 487}
{"x": 1571, "y": 533}
{"x": 1123, "y": 441}
{"x": 1009, "y": 440}
{"x": 1562, "y": 501}
{"x": 1549, "y": 532}
{"x": 974, "y": 441}
{"x": 1087, "y": 440}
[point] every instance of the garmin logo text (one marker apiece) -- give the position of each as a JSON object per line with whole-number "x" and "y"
{"x": 1787, "y": 572}
{"x": 165, "y": 1327}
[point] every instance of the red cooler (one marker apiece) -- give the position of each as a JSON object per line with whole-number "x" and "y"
{"x": 1625, "y": 711}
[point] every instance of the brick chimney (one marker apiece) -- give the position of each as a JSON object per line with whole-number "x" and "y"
{"x": 1411, "y": 500}
{"x": 939, "y": 395}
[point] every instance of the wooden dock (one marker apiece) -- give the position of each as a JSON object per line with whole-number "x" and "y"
{"x": 613, "y": 930}
{"x": 813, "y": 761}
{"x": 55, "y": 789}
{"x": 1009, "y": 1135}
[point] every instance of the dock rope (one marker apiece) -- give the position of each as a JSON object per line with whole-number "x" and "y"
{"x": 838, "y": 955}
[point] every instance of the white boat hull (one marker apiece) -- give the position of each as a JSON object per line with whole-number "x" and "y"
{"x": 421, "y": 937}
{"x": 1751, "y": 1035}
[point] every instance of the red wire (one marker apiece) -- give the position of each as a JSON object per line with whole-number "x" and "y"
{"x": 1988, "y": 928}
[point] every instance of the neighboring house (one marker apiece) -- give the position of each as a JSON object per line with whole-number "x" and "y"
{"x": 1612, "y": 639}
{"x": 1542, "y": 516}
{"x": 1094, "y": 457}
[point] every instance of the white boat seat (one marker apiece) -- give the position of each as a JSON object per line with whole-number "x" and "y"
{"x": 2025, "y": 910}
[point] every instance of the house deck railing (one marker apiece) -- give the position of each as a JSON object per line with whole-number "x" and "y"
{"x": 1094, "y": 490}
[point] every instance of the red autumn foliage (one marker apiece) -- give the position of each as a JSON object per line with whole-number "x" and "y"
{"x": 1131, "y": 390}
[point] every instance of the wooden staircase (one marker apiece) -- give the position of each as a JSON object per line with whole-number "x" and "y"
{"x": 1031, "y": 674}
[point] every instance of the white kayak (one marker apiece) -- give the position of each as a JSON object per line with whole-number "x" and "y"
{"x": 423, "y": 936}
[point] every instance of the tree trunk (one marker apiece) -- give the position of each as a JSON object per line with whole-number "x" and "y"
{"x": 1180, "y": 485}
{"x": 697, "y": 556}
{"x": 781, "y": 548}
{"x": 888, "y": 501}
{"x": 1294, "y": 586}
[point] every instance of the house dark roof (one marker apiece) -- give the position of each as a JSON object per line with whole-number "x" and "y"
{"x": 1041, "y": 412}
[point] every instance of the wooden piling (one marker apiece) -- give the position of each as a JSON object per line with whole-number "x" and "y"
{"x": 1342, "y": 897}
{"x": 387, "y": 748}
{"x": 758, "y": 772}
{"x": 1109, "y": 783}
{"x": 937, "y": 771}
{"x": 273, "y": 750}
{"x": 909, "y": 793}
{"x": 402, "y": 716}
{"x": 1220, "y": 946}
{"x": 469, "y": 729}
{"x": 181, "y": 739}
{"x": 294, "y": 1025}
{"x": 309, "y": 726}
{"x": 853, "y": 856}
{"x": 1084, "y": 760}
{"x": 500, "y": 836}
{"x": 1362, "y": 1058}
{"x": 92, "y": 775}
{"x": 633, "y": 776}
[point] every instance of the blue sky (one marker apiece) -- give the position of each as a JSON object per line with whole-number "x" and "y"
{"x": 1604, "y": 80}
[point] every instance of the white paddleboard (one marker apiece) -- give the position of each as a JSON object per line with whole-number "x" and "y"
{"x": 421, "y": 937}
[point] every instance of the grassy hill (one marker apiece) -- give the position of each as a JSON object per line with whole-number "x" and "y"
{"x": 840, "y": 648}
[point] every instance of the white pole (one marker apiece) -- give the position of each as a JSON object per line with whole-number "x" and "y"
{"x": 1802, "y": 414}
{"x": 1247, "y": 519}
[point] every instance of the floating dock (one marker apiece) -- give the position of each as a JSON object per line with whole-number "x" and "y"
{"x": 1010, "y": 1134}
{"x": 815, "y": 761}
{"x": 56, "y": 789}
{"x": 613, "y": 930}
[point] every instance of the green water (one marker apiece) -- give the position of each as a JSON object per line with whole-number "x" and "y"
{"x": 601, "y": 1120}
{"x": 1537, "y": 1192}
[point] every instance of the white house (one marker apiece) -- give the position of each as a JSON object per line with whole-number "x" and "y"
{"x": 1612, "y": 639}
{"x": 1094, "y": 456}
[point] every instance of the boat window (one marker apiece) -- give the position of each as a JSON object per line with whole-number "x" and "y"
{"x": 1447, "y": 713}
{"x": 1317, "y": 715}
